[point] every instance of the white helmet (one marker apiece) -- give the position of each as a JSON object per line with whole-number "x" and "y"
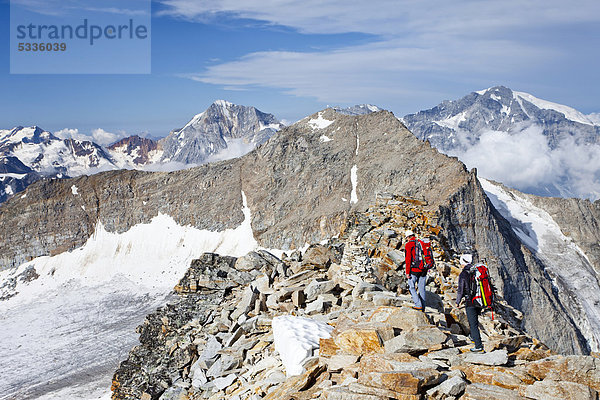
{"x": 409, "y": 233}
{"x": 466, "y": 259}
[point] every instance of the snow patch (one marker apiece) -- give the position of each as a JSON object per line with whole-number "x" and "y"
{"x": 454, "y": 121}
{"x": 325, "y": 139}
{"x": 74, "y": 190}
{"x": 319, "y": 122}
{"x": 295, "y": 338}
{"x": 354, "y": 179}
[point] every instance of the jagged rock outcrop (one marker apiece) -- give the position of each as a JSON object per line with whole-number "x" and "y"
{"x": 300, "y": 186}
{"x": 135, "y": 151}
{"x": 226, "y": 341}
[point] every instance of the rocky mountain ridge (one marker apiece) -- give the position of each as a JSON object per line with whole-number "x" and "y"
{"x": 335, "y": 322}
{"x": 294, "y": 200}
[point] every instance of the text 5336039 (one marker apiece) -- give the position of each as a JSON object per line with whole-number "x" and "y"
{"x": 26, "y": 46}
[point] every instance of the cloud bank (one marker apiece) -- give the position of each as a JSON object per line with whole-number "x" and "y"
{"x": 408, "y": 48}
{"x": 99, "y": 136}
{"x": 525, "y": 161}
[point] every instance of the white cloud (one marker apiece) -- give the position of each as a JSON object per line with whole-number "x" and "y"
{"x": 392, "y": 17}
{"x": 69, "y": 133}
{"x": 412, "y": 44}
{"x": 98, "y": 136}
{"x": 105, "y": 138}
{"x": 525, "y": 161}
{"x": 356, "y": 74}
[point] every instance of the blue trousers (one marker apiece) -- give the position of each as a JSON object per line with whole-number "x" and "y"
{"x": 416, "y": 285}
{"x": 473, "y": 317}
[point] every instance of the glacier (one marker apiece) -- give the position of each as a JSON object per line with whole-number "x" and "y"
{"x": 67, "y": 330}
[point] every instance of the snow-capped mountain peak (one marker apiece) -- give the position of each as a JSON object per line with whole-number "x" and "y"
{"x": 535, "y": 145}
{"x": 224, "y": 130}
{"x": 19, "y": 134}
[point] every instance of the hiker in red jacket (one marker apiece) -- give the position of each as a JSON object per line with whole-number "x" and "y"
{"x": 416, "y": 274}
{"x": 465, "y": 292}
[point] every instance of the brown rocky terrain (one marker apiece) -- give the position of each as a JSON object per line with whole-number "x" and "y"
{"x": 299, "y": 187}
{"x": 218, "y": 340}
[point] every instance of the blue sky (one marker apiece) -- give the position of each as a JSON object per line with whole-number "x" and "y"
{"x": 292, "y": 58}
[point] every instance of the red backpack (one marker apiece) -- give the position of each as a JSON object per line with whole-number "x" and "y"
{"x": 482, "y": 290}
{"x": 423, "y": 260}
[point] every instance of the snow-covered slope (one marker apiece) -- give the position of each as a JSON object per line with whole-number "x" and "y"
{"x": 572, "y": 274}
{"x": 537, "y": 146}
{"x": 225, "y": 130}
{"x": 70, "y": 318}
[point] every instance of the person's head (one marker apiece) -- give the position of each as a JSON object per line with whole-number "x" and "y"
{"x": 409, "y": 234}
{"x": 466, "y": 259}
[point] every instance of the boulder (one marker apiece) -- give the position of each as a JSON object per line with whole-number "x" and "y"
{"x": 339, "y": 361}
{"x": 558, "y": 390}
{"x": 497, "y": 357}
{"x": 508, "y": 378}
{"x": 362, "y": 338}
{"x": 246, "y": 303}
{"x": 364, "y": 287}
{"x": 452, "y": 387}
{"x": 315, "y": 288}
{"x": 418, "y": 341}
{"x": 510, "y": 343}
{"x": 404, "y": 318}
{"x": 577, "y": 369}
{"x": 320, "y": 256}
{"x": 393, "y": 362}
{"x": 405, "y": 382}
{"x": 249, "y": 262}
{"x": 223, "y": 382}
{"x": 480, "y": 391}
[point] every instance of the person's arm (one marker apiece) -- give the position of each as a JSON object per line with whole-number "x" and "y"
{"x": 408, "y": 255}
{"x": 460, "y": 291}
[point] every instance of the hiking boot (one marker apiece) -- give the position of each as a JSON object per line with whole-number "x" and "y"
{"x": 477, "y": 350}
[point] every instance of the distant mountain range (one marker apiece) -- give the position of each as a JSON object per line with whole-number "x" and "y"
{"x": 223, "y": 131}
{"x": 531, "y": 144}
{"x": 528, "y": 143}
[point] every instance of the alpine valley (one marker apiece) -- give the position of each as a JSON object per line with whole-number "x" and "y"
{"x": 274, "y": 268}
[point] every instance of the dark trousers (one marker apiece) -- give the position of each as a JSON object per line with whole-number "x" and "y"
{"x": 472, "y": 316}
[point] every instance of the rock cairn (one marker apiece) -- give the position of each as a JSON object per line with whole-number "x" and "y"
{"x": 216, "y": 339}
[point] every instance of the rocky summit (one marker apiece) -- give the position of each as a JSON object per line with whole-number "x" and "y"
{"x": 335, "y": 322}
